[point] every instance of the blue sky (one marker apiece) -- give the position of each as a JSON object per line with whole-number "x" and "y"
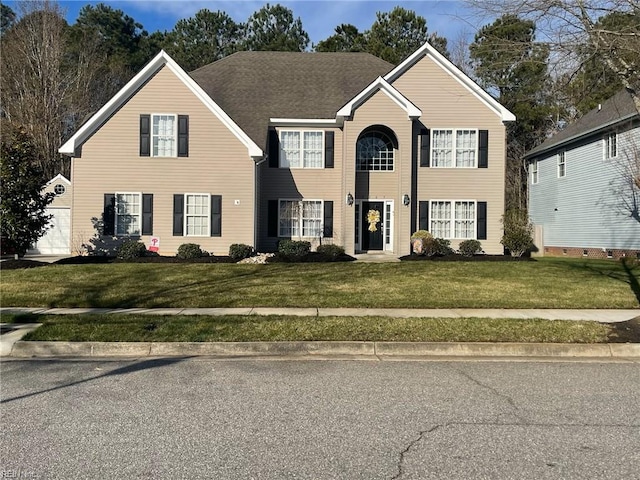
{"x": 319, "y": 17}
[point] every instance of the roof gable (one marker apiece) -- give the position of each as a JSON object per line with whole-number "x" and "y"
{"x": 380, "y": 84}
{"x": 613, "y": 111}
{"x": 59, "y": 178}
{"x": 160, "y": 60}
{"x": 428, "y": 50}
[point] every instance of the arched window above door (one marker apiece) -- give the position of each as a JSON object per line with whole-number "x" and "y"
{"x": 375, "y": 149}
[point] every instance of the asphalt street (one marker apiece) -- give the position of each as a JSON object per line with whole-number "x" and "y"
{"x": 309, "y": 419}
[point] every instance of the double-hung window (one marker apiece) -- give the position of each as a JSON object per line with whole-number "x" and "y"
{"x": 562, "y": 169}
{"x": 454, "y": 148}
{"x": 611, "y": 145}
{"x": 453, "y": 219}
{"x": 128, "y": 213}
{"x": 164, "y": 135}
{"x": 534, "y": 172}
{"x": 196, "y": 214}
{"x": 300, "y": 218}
{"x": 301, "y": 149}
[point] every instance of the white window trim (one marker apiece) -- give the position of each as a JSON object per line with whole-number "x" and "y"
{"x": 174, "y": 152}
{"x": 562, "y": 154}
{"x": 535, "y": 173}
{"x": 185, "y": 215}
{"x": 606, "y": 153}
{"x": 394, "y": 159}
{"x": 115, "y": 226}
{"x": 302, "y": 132}
{"x": 453, "y": 218}
{"x": 454, "y": 130}
{"x": 301, "y": 218}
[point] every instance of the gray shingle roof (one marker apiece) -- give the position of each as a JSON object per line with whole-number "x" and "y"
{"x": 615, "y": 109}
{"x": 252, "y": 87}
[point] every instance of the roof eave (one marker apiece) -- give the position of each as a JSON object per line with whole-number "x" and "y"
{"x": 427, "y": 49}
{"x": 552, "y": 146}
{"x": 381, "y": 84}
{"x": 86, "y": 130}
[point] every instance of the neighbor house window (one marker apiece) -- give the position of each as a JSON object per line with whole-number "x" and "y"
{"x": 453, "y": 219}
{"x": 196, "y": 214}
{"x": 454, "y": 148}
{"x": 300, "y": 218}
{"x": 534, "y": 172}
{"x": 562, "y": 170}
{"x": 301, "y": 149}
{"x": 128, "y": 213}
{"x": 611, "y": 146}
{"x": 374, "y": 152}
{"x": 164, "y": 135}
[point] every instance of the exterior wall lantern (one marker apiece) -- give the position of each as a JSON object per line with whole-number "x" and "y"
{"x": 406, "y": 200}
{"x": 349, "y": 199}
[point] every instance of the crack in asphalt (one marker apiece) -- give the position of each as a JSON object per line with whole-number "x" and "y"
{"x": 406, "y": 450}
{"x": 401, "y": 460}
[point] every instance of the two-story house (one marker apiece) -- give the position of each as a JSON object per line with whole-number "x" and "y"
{"x": 584, "y": 184}
{"x": 339, "y": 148}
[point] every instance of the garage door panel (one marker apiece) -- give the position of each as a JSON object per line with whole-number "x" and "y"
{"x": 56, "y": 241}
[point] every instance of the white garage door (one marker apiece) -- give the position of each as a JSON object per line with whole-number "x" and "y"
{"x": 57, "y": 239}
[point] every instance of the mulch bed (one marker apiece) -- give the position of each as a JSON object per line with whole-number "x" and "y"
{"x": 313, "y": 257}
{"x": 461, "y": 258}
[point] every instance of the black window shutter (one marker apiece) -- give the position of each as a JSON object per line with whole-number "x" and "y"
{"x": 147, "y": 214}
{"x": 328, "y": 149}
{"x": 178, "y": 215}
{"x": 272, "y": 218}
{"x": 216, "y": 215}
{"x": 183, "y": 135}
{"x": 109, "y": 214}
{"x": 145, "y": 135}
{"x": 274, "y": 149}
{"x": 423, "y": 215}
{"x": 425, "y": 147}
{"x": 482, "y": 220}
{"x": 328, "y": 219}
{"x": 483, "y": 149}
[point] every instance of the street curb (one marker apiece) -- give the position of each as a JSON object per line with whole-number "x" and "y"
{"x": 25, "y": 349}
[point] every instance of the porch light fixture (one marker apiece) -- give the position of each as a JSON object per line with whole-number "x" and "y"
{"x": 406, "y": 200}
{"x": 349, "y": 199}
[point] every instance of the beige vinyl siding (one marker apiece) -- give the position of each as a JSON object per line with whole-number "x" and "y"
{"x": 447, "y": 104}
{"x": 379, "y": 109}
{"x": 304, "y": 184}
{"x": 63, "y": 200}
{"x": 218, "y": 164}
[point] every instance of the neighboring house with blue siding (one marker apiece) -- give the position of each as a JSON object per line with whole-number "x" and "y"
{"x": 584, "y": 184}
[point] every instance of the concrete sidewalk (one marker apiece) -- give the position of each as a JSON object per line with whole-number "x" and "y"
{"x": 10, "y": 344}
{"x": 602, "y": 316}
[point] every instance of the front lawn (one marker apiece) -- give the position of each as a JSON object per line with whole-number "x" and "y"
{"x": 546, "y": 283}
{"x": 253, "y": 328}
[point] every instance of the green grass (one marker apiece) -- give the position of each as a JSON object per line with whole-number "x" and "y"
{"x": 547, "y": 283}
{"x": 147, "y": 328}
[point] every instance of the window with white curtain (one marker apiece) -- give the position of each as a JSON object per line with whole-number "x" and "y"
{"x": 164, "y": 135}
{"x": 196, "y": 214}
{"x": 454, "y": 148}
{"x": 534, "y": 172}
{"x": 610, "y": 145}
{"x": 128, "y": 213}
{"x": 453, "y": 219}
{"x": 301, "y": 149}
{"x": 300, "y": 218}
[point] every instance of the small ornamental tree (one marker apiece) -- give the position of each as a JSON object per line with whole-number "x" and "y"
{"x": 22, "y": 203}
{"x": 518, "y": 232}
